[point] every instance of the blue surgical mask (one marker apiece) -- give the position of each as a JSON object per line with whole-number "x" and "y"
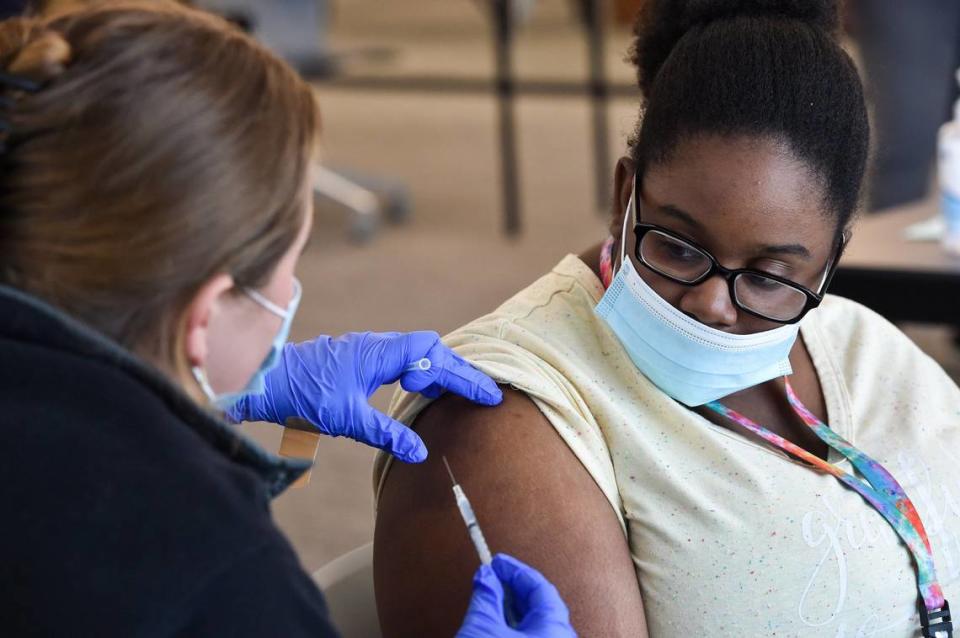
{"x": 690, "y": 361}
{"x": 256, "y": 384}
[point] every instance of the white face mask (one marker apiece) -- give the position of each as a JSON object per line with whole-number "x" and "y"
{"x": 256, "y": 383}
{"x": 688, "y": 360}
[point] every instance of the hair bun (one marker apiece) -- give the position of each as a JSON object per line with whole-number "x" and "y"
{"x": 818, "y": 13}
{"x": 662, "y": 23}
{"x": 32, "y": 51}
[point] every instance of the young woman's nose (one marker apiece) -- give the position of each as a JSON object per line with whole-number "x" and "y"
{"x": 710, "y": 303}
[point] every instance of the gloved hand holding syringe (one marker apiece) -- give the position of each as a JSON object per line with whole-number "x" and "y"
{"x": 479, "y": 542}
{"x": 510, "y": 599}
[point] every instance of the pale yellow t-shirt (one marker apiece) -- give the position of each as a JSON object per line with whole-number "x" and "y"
{"x": 730, "y": 537}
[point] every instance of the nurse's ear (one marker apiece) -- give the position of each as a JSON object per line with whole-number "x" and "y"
{"x": 199, "y": 314}
{"x": 622, "y": 187}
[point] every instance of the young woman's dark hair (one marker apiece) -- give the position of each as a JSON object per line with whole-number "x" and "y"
{"x": 771, "y": 68}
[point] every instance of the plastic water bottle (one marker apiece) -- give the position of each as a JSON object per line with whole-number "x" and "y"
{"x": 948, "y": 168}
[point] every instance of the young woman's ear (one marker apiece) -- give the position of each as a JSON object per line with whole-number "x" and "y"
{"x": 622, "y": 188}
{"x": 198, "y": 317}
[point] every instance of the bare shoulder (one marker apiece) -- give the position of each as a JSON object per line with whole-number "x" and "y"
{"x": 533, "y": 499}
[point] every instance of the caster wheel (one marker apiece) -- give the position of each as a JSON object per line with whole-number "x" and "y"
{"x": 398, "y": 209}
{"x": 363, "y": 228}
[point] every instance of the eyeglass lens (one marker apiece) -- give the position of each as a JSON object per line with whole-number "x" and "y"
{"x": 685, "y": 263}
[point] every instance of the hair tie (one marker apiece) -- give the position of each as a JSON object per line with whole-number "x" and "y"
{"x": 17, "y": 83}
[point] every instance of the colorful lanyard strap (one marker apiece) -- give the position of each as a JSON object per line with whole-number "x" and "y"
{"x": 881, "y": 490}
{"x": 606, "y": 263}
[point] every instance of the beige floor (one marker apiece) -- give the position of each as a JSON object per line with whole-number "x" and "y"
{"x": 450, "y": 263}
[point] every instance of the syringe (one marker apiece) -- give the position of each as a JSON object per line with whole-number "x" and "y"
{"x": 479, "y": 542}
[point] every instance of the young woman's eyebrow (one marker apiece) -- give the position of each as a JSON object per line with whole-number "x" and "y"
{"x": 786, "y": 249}
{"x": 680, "y": 215}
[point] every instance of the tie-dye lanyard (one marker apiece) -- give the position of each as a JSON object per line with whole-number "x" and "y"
{"x": 881, "y": 490}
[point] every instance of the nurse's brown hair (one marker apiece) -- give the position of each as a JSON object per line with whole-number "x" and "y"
{"x": 163, "y": 147}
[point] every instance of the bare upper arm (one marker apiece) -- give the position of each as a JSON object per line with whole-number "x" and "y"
{"x": 533, "y": 499}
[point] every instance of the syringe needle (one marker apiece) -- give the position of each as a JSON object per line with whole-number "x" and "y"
{"x": 449, "y": 471}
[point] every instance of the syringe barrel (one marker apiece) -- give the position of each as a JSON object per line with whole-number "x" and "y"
{"x": 480, "y": 543}
{"x": 470, "y": 519}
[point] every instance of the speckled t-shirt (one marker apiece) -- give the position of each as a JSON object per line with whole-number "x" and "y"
{"x": 729, "y": 537}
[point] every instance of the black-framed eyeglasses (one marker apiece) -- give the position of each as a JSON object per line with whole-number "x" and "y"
{"x": 758, "y": 293}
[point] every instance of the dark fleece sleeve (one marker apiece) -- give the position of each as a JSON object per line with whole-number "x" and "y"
{"x": 264, "y": 593}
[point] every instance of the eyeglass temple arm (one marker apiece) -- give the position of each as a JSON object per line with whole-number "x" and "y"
{"x": 834, "y": 263}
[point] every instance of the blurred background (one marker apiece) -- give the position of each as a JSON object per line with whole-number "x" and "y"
{"x": 469, "y": 145}
{"x": 451, "y": 258}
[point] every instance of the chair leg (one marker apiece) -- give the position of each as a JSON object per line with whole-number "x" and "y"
{"x": 363, "y": 203}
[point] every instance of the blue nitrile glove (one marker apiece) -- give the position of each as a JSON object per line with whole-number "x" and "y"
{"x": 538, "y": 606}
{"x": 328, "y": 382}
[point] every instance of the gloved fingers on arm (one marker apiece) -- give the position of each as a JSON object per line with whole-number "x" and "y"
{"x": 460, "y": 377}
{"x": 488, "y": 396}
{"x": 533, "y": 594}
{"x": 389, "y": 435}
{"x": 450, "y": 372}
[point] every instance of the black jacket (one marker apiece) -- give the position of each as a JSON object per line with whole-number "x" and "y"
{"x": 126, "y": 509}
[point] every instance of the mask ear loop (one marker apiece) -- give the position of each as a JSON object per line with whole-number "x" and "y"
{"x": 273, "y": 308}
{"x": 204, "y": 383}
{"x": 627, "y": 214}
